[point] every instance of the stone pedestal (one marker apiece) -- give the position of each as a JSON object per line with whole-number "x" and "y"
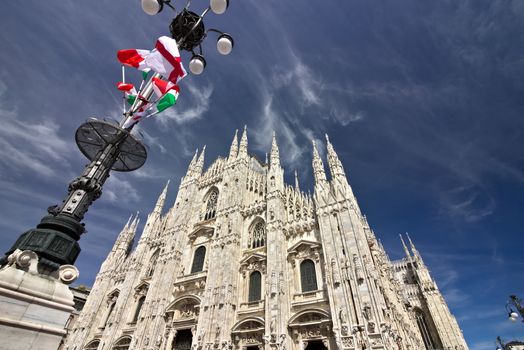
{"x": 34, "y": 305}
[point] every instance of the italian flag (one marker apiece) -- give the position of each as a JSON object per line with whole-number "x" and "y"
{"x": 133, "y": 58}
{"x": 163, "y": 59}
{"x": 129, "y": 91}
{"x": 167, "y": 93}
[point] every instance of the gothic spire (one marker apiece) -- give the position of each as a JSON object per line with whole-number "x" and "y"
{"x": 128, "y": 222}
{"x": 242, "y": 150}
{"x": 233, "y": 150}
{"x": 123, "y": 243}
{"x": 132, "y": 234}
{"x": 318, "y": 166}
{"x": 335, "y": 166}
{"x": 123, "y": 234}
{"x": 192, "y": 164}
{"x": 408, "y": 255}
{"x": 275, "y": 154}
{"x": 136, "y": 221}
{"x": 297, "y": 187}
{"x": 413, "y": 249}
{"x": 200, "y": 162}
{"x": 161, "y": 200}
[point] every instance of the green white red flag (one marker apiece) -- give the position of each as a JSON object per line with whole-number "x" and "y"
{"x": 167, "y": 93}
{"x": 163, "y": 59}
{"x": 129, "y": 91}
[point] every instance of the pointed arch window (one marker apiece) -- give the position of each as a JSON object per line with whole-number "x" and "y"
{"x": 211, "y": 205}
{"x": 255, "y": 286}
{"x": 424, "y": 329}
{"x": 111, "y": 302}
{"x": 198, "y": 259}
{"x": 152, "y": 264}
{"x": 110, "y": 312}
{"x": 93, "y": 345}
{"x": 308, "y": 276}
{"x": 139, "y": 308}
{"x": 122, "y": 344}
{"x": 258, "y": 235}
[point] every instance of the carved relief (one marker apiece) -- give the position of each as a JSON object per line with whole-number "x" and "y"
{"x": 253, "y": 262}
{"x": 348, "y": 342}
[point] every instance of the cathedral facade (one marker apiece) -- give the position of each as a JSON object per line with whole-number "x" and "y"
{"x": 245, "y": 261}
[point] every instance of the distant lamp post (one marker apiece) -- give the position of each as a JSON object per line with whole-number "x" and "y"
{"x": 512, "y": 345}
{"x": 500, "y": 344}
{"x": 110, "y": 146}
{"x": 514, "y": 308}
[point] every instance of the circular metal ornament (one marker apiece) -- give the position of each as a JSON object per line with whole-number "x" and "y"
{"x": 181, "y": 28}
{"x": 94, "y": 135}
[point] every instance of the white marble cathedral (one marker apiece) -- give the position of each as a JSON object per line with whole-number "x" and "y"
{"x": 244, "y": 261}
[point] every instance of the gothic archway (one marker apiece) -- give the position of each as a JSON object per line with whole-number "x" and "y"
{"x": 92, "y": 345}
{"x": 184, "y": 310}
{"x": 247, "y": 333}
{"x": 122, "y": 343}
{"x": 181, "y": 317}
{"x": 312, "y": 329}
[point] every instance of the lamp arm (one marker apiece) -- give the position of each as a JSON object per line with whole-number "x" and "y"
{"x": 215, "y": 31}
{"x": 518, "y": 304}
{"x": 168, "y": 3}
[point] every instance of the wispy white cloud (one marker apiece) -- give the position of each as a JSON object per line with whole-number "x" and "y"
{"x": 200, "y": 98}
{"x": 469, "y": 203}
{"x": 29, "y": 144}
{"x": 117, "y": 189}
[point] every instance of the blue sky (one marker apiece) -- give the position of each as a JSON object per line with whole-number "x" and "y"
{"x": 423, "y": 101}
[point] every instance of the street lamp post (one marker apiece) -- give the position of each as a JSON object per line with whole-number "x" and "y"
{"x": 110, "y": 146}
{"x": 515, "y": 309}
{"x": 34, "y": 297}
{"x": 500, "y": 344}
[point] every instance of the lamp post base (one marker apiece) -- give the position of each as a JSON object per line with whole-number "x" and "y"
{"x": 55, "y": 240}
{"x": 35, "y": 306}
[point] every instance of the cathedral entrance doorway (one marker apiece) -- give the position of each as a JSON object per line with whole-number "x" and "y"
{"x": 252, "y": 348}
{"x": 183, "y": 340}
{"x": 315, "y": 345}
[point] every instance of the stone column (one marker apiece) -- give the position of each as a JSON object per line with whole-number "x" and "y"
{"x": 170, "y": 338}
{"x": 34, "y": 306}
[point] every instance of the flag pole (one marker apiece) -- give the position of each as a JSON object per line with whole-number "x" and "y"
{"x": 150, "y": 115}
{"x": 143, "y": 95}
{"x": 123, "y": 93}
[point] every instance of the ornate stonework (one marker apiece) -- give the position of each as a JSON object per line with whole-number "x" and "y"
{"x": 244, "y": 261}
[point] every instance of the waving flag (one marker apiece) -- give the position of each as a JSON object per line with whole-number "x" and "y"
{"x": 129, "y": 91}
{"x": 126, "y": 87}
{"x": 163, "y": 59}
{"x": 134, "y": 58}
{"x": 167, "y": 93}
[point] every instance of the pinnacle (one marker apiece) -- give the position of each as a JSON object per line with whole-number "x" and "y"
{"x": 233, "y": 150}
